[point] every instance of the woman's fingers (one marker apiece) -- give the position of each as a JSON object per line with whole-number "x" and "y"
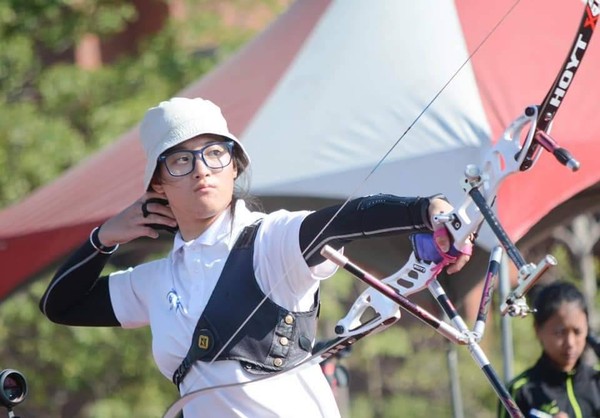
{"x": 457, "y": 266}
{"x": 442, "y": 238}
{"x": 131, "y": 223}
{"x": 444, "y": 243}
{"x": 158, "y": 215}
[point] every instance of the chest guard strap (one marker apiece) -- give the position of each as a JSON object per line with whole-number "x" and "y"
{"x": 273, "y": 339}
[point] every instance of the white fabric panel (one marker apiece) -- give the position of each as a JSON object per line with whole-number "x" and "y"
{"x": 364, "y": 75}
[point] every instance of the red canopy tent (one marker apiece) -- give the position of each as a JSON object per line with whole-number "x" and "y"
{"x": 328, "y": 88}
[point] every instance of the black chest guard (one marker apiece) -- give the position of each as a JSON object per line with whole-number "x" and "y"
{"x": 268, "y": 340}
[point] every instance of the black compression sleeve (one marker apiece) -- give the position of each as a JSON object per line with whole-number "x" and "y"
{"x": 77, "y": 295}
{"x": 377, "y": 215}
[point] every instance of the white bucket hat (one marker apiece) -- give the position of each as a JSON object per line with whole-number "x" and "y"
{"x": 177, "y": 120}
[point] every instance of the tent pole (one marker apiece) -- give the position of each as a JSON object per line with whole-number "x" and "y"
{"x": 456, "y": 397}
{"x": 505, "y": 324}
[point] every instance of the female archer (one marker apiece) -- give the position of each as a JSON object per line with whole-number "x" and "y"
{"x": 237, "y": 296}
{"x": 559, "y": 384}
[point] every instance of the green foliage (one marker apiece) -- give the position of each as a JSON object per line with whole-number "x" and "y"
{"x": 33, "y": 149}
{"x": 18, "y": 67}
{"x": 58, "y": 24}
{"x": 53, "y": 114}
{"x": 75, "y": 371}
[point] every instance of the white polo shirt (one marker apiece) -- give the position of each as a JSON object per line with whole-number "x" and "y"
{"x": 170, "y": 294}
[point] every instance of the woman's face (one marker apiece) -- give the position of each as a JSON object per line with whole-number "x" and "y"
{"x": 563, "y": 335}
{"x": 197, "y": 198}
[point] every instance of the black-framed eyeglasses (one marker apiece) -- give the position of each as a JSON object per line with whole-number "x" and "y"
{"x": 215, "y": 155}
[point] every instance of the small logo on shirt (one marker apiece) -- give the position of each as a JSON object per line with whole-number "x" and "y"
{"x": 175, "y": 301}
{"x": 204, "y": 342}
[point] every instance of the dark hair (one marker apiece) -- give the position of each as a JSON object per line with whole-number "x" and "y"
{"x": 239, "y": 158}
{"x": 242, "y": 184}
{"x": 547, "y": 300}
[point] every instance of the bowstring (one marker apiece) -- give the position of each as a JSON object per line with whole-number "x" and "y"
{"x": 362, "y": 182}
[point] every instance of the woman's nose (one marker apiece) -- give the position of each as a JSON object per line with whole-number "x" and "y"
{"x": 201, "y": 169}
{"x": 571, "y": 339}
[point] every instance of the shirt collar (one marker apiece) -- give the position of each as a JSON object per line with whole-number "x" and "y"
{"x": 221, "y": 228}
{"x": 549, "y": 370}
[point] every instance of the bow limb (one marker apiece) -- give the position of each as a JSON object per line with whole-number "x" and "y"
{"x": 558, "y": 90}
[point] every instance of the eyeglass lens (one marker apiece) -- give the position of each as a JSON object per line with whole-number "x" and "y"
{"x": 215, "y": 156}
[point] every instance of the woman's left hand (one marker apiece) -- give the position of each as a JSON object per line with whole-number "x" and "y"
{"x": 444, "y": 241}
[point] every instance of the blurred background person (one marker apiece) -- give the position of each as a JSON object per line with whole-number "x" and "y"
{"x": 559, "y": 384}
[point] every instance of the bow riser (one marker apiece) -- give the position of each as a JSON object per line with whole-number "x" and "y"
{"x": 500, "y": 161}
{"x": 414, "y": 276}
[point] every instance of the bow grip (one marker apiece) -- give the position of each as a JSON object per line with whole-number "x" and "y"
{"x": 426, "y": 249}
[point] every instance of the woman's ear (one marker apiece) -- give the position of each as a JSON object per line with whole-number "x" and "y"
{"x": 235, "y": 171}
{"x": 156, "y": 186}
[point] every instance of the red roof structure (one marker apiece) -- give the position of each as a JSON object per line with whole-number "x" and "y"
{"x": 326, "y": 90}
